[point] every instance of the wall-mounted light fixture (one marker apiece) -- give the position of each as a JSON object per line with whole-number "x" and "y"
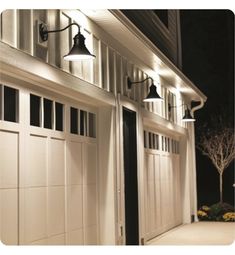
{"x": 187, "y": 114}
{"x": 79, "y": 50}
{"x": 152, "y": 96}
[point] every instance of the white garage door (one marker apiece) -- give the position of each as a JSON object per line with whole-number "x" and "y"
{"x": 162, "y": 183}
{"x": 48, "y": 169}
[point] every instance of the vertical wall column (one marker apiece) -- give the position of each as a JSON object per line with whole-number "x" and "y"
{"x": 193, "y": 186}
{"x": 185, "y": 179}
{"x": 106, "y": 176}
{"x": 188, "y": 175}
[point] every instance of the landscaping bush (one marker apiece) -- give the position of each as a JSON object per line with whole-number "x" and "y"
{"x": 216, "y": 212}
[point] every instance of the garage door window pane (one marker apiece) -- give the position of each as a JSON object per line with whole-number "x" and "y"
{"x": 35, "y": 106}
{"x": 83, "y": 123}
{"x": 150, "y": 141}
{"x": 73, "y": 120}
{"x": 178, "y": 147}
{"x": 59, "y": 116}
{"x": 47, "y": 104}
{"x": 11, "y": 105}
{"x": 157, "y": 142}
{"x": 86, "y": 123}
{"x": 153, "y": 141}
{"x": 145, "y": 145}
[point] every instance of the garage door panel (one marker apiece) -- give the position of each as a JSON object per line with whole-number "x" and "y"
{"x": 150, "y": 169}
{"x": 56, "y": 240}
{"x": 35, "y": 214}
{"x": 36, "y": 172}
{"x": 89, "y": 205}
{"x": 75, "y": 163}
{"x": 151, "y": 194}
{"x": 163, "y": 170}
{"x": 91, "y": 164}
{"x": 75, "y": 237}
{"x": 157, "y": 167}
{"x": 8, "y": 216}
{"x": 56, "y": 173}
{"x": 74, "y": 207}
{"x": 9, "y": 159}
{"x": 56, "y": 210}
{"x": 152, "y": 220}
{"x": 90, "y": 235}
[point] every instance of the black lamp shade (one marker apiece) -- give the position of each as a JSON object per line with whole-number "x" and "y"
{"x": 187, "y": 116}
{"x": 79, "y": 50}
{"x": 152, "y": 96}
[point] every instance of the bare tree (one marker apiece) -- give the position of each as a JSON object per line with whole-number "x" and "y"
{"x": 218, "y": 144}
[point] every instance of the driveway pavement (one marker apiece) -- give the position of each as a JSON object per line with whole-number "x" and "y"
{"x": 199, "y": 233}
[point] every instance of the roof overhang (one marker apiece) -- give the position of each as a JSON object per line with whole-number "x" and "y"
{"x": 151, "y": 59}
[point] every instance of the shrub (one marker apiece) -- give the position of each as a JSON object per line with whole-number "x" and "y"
{"x": 202, "y": 215}
{"x": 217, "y": 212}
{"x": 229, "y": 216}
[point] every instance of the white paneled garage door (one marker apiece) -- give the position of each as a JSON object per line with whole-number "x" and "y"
{"x": 162, "y": 183}
{"x": 48, "y": 169}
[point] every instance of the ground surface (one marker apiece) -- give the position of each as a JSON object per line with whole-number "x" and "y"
{"x": 199, "y": 233}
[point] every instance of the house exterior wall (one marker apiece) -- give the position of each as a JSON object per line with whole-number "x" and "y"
{"x": 28, "y": 64}
{"x": 165, "y": 37}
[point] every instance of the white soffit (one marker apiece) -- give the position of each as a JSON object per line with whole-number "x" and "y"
{"x": 126, "y": 33}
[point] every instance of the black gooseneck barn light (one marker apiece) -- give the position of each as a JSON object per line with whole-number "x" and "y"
{"x": 79, "y": 50}
{"x": 152, "y": 96}
{"x": 187, "y": 116}
{"x": 187, "y": 113}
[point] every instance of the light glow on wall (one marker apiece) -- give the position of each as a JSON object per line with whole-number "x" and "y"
{"x": 78, "y": 17}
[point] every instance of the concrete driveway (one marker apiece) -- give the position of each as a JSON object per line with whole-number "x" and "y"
{"x": 199, "y": 233}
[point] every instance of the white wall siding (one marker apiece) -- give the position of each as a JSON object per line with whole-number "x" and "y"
{"x": 9, "y": 27}
{"x": 65, "y": 40}
{"x": 25, "y": 37}
{"x": 54, "y": 56}
{"x": 96, "y": 61}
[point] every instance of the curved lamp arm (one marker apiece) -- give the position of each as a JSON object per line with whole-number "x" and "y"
{"x": 44, "y": 32}
{"x": 187, "y": 113}
{"x": 129, "y": 82}
{"x": 176, "y": 106}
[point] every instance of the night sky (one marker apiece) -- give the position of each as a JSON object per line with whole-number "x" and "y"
{"x": 208, "y": 60}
